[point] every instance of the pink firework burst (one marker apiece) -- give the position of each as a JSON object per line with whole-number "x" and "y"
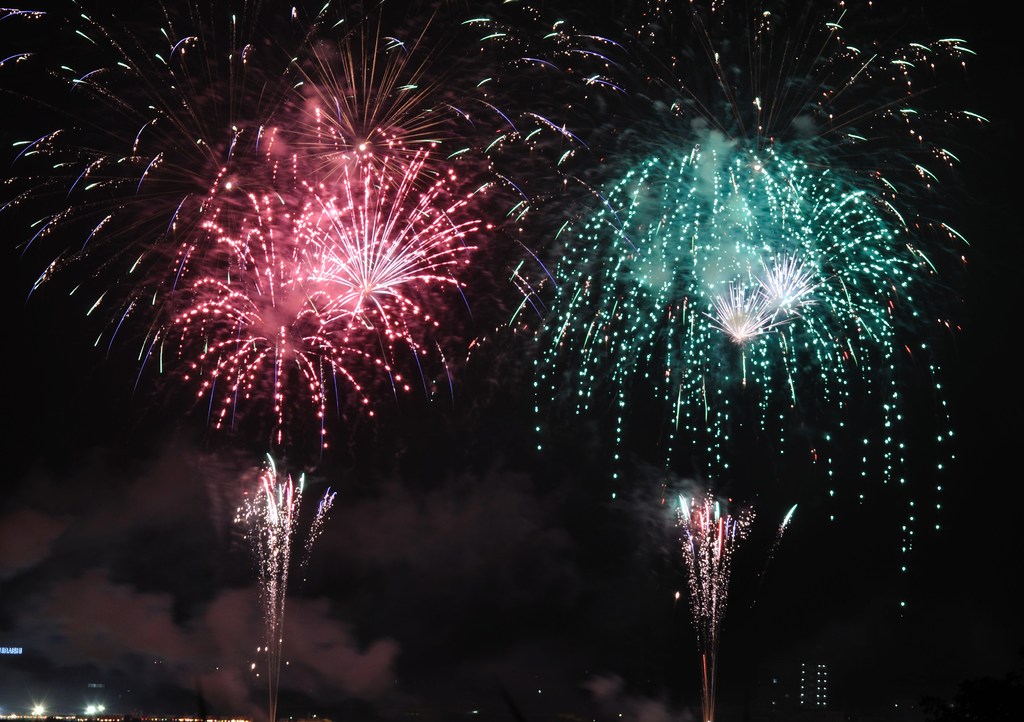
{"x": 320, "y": 292}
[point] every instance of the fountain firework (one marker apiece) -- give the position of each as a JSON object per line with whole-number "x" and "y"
{"x": 272, "y": 516}
{"x": 710, "y": 535}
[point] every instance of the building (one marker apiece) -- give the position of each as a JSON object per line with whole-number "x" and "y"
{"x": 813, "y": 686}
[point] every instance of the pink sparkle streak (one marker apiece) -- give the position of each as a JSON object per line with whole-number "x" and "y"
{"x": 709, "y": 539}
{"x": 298, "y": 294}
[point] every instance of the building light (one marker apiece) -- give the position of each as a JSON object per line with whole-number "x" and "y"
{"x": 814, "y": 685}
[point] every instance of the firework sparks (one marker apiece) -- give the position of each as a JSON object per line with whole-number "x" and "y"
{"x": 176, "y": 107}
{"x": 157, "y": 118}
{"x": 379, "y": 99}
{"x": 692, "y": 290}
{"x": 783, "y": 525}
{"x": 761, "y": 258}
{"x": 272, "y": 516}
{"x": 710, "y": 535}
{"x": 277, "y": 214}
{"x": 742, "y": 314}
{"x": 330, "y": 286}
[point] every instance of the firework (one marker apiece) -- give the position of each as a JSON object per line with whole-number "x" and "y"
{"x": 764, "y": 258}
{"x": 783, "y": 525}
{"x": 272, "y": 515}
{"x": 380, "y": 99}
{"x": 143, "y": 122}
{"x": 167, "y": 109}
{"x": 710, "y": 535}
{"x": 320, "y": 294}
{"x": 543, "y": 95}
{"x": 713, "y": 279}
{"x": 273, "y": 209}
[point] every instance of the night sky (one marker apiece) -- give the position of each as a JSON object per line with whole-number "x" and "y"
{"x": 461, "y": 570}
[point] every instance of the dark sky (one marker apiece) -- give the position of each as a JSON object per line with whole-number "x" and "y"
{"x": 458, "y": 570}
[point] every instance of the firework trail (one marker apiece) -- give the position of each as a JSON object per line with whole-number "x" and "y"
{"x": 710, "y": 536}
{"x": 764, "y": 259}
{"x": 316, "y": 527}
{"x": 272, "y": 516}
{"x": 782, "y": 529}
{"x": 773, "y": 548}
